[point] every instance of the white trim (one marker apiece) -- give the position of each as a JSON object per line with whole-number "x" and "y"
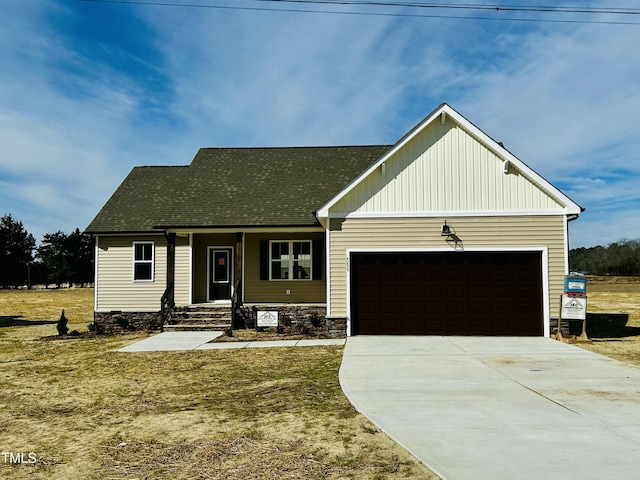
{"x": 545, "y": 272}
{"x": 566, "y": 245}
{"x": 190, "y": 269}
{"x": 152, "y": 261}
{"x": 244, "y": 262}
{"x": 279, "y": 230}
{"x": 210, "y": 249}
{"x": 128, "y": 234}
{"x": 488, "y": 142}
{"x": 95, "y": 274}
{"x": 454, "y": 213}
{"x": 327, "y": 266}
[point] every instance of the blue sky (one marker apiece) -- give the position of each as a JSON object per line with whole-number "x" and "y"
{"x": 88, "y": 90}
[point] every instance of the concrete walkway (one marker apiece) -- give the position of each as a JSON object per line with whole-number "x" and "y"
{"x": 168, "y": 341}
{"x": 499, "y": 408}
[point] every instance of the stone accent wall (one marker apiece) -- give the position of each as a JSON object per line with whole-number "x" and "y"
{"x": 312, "y": 319}
{"x": 337, "y": 327}
{"x": 118, "y": 322}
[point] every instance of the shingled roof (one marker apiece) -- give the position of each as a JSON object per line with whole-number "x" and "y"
{"x": 234, "y": 187}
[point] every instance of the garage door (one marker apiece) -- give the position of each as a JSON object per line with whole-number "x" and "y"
{"x": 456, "y": 293}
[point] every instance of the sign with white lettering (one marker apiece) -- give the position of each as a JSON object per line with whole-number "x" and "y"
{"x": 574, "y": 307}
{"x": 268, "y": 318}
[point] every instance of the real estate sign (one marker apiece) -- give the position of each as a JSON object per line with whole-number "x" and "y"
{"x": 574, "y": 307}
{"x": 267, "y": 319}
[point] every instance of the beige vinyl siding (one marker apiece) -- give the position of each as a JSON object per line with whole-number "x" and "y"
{"x": 445, "y": 169}
{"x": 475, "y": 233}
{"x": 116, "y": 289}
{"x": 274, "y": 291}
{"x": 182, "y": 271}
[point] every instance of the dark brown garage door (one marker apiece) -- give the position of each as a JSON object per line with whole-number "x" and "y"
{"x": 457, "y": 293}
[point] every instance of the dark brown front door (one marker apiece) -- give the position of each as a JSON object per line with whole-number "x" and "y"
{"x": 220, "y": 274}
{"x": 456, "y": 293}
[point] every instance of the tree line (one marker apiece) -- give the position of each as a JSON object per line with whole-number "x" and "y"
{"x": 60, "y": 258}
{"x": 620, "y": 259}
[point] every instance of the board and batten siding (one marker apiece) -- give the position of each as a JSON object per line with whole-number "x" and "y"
{"x": 116, "y": 289}
{"x": 424, "y": 234}
{"x": 445, "y": 169}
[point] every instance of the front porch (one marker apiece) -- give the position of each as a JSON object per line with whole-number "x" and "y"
{"x": 220, "y": 280}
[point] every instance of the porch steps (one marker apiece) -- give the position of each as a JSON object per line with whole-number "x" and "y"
{"x": 199, "y": 318}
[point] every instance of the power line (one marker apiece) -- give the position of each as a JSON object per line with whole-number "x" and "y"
{"x": 496, "y": 8}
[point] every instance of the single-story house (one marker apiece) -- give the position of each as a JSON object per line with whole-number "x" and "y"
{"x": 444, "y": 233}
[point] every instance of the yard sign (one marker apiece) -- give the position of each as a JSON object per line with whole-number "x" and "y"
{"x": 574, "y": 307}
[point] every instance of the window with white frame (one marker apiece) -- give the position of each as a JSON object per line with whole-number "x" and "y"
{"x": 143, "y": 261}
{"x": 290, "y": 260}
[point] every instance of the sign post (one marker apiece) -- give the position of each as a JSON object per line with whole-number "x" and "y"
{"x": 573, "y": 305}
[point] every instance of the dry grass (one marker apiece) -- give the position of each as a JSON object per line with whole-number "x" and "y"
{"x": 613, "y": 317}
{"x": 89, "y": 412}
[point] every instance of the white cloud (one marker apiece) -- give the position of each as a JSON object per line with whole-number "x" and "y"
{"x": 564, "y": 99}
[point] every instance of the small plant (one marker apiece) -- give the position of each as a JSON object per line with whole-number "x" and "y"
{"x": 91, "y": 327}
{"x": 123, "y": 323}
{"x": 62, "y": 325}
{"x": 228, "y": 332}
{"x": 315, "y": 320}
{"x": 303, "y": 328}
{"x": 285, "y": 320}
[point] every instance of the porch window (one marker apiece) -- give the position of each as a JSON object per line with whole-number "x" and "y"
{"x": 290, "y": 260}
{"x": 143, "y": 261}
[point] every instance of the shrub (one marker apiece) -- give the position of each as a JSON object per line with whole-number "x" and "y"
{"x": 123, "y": 323}
{"x": 316, "y": 321}
{"x": 62, "y": 325}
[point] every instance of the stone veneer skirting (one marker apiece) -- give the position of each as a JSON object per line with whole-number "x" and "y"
{"x": 288, "y": 315}
{"x": 118, "y": 322}
{"x": 299, "y": 314}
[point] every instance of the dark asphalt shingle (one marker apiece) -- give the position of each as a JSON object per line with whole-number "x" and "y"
{"x": 234, "y": 187}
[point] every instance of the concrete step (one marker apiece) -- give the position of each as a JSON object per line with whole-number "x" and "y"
{"x": 181, "y": 327}
{"x": 202, "y": 317}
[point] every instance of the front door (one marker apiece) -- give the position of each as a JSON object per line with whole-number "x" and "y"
{"x": 220, "y": 273}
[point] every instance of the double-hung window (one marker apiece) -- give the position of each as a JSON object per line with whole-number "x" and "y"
{"x": 290, "y": 260}
{"x": 143, "y": 261}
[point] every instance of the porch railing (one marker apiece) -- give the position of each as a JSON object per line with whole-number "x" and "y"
{"x": 166, "y": 305}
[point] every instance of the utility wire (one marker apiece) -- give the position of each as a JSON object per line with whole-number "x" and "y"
{"x": 496, "y": 8}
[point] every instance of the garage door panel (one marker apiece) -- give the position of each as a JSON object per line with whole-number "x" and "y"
{"x": 410, "y": 308}
{"x": 409, "y": 277}
{"x": 411, "y": 291}
{"x": 476, "y": 309}
{"x": 433, "y": 291}
{"x": 457, "y": 293}
{"x": 478, "y": 292}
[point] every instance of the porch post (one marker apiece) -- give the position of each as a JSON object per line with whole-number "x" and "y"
{"x": 237, "y": 282}
{"x": 171, "y": 267}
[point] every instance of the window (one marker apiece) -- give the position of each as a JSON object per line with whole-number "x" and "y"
{"x": 290, "y": 260}
{"x": 143, "y": 261}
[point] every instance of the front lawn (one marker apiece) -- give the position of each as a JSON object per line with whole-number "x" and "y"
{"x": 89, "y": 412}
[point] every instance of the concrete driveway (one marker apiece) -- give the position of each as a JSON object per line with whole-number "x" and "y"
{"x": 499, "y": 408}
